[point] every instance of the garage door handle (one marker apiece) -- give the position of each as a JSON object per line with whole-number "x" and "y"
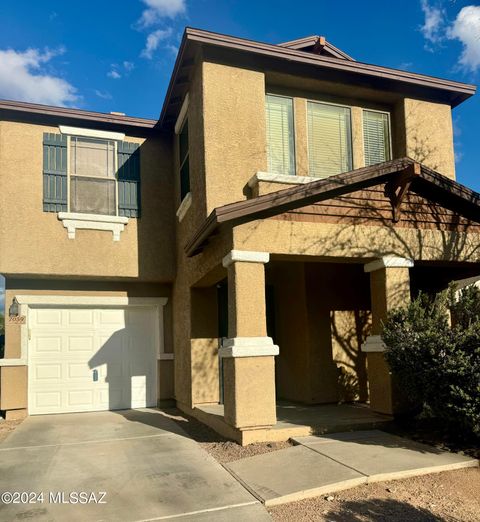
{"x": 95, "y": 375}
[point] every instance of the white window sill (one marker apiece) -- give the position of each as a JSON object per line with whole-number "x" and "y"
{"x": 74, "y": 221}
{"x": 184, "y": 206}
{"x": 285, "y": 179}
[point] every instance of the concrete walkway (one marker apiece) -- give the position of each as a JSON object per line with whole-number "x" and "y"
{"x": 319, "y": 465}
{"x": 147, "y": 466}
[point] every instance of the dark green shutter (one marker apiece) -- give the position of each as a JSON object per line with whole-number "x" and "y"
{"x": 54, "y": 172}
{"x": 128, "y": 179}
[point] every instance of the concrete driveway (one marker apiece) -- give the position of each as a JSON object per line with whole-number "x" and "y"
{"x": 124, "y": 466}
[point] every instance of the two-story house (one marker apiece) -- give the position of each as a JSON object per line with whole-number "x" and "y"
{"x": 243, "y": 248}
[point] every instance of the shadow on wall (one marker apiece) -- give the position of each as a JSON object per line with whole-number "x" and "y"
{"x": 349, "y": 331}
{"x": 123, "y": 369}
{"x": 156, "y": 216}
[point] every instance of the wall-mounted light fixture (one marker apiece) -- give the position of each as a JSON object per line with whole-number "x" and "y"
{"x": 14, "y": 308}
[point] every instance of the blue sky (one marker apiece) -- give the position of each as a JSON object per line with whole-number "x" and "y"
{"x": 118, "y": 55}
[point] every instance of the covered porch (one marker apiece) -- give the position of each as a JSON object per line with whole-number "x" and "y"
{"x": 290, "y": 347}
{"x": 290, "y": 291}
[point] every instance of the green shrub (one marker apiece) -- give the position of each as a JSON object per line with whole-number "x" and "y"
{"x": 437, "y": 359}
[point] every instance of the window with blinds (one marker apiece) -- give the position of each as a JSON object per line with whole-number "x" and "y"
{"x": 280, "y": 135}
{"x": 92, "y": 176}
{"x": 376, "y": 137}
{"x": 329, "y": 139}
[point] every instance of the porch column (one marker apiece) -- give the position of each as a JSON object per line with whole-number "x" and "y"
{"x": 248, "y": 354}
{"x": 390, "y": 288}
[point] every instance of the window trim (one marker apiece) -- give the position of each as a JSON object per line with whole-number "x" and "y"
{"x": 390, "y": 141}
{"x": 294, "y": 132}
{"x": 182, "y": 114}
{"x": 91, "y": 133}
{"x": 350, "y": 137}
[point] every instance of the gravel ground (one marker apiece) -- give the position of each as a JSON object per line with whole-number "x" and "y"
{"x": 449, "y": 496}
{"x": 7, "y": 426}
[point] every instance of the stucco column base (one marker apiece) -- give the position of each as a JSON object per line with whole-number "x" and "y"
{"x": 13, "y": 388}
{"x": 15, "y": 414}
{"x": 390, "y": 288}
{"x": 249, "y": 392}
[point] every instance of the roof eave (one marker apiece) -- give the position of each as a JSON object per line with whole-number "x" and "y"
{"x": 457, "y": 91}
{"x": 10, "y": 107}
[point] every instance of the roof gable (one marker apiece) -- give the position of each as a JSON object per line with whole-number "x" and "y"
{"x": 316, "y": 45}
{"x": 399, "y": 177}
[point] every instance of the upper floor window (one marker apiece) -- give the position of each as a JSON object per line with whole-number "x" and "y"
{"x": 329, "y": 139}
{"x": 376, "y": 137}
{"x": 280, "y": 135}
{"x": 184, "y": 162}
{"x": 91, "y": 175}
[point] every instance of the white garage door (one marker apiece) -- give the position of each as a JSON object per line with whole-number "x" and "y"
{"x": 86, "y": 359}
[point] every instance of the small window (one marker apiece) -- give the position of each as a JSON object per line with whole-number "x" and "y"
{"x": 376, "y": 137}
{"x": 92, "y": 176}
{"x": 184, "y": 161}
{"x": 280, "y": 135}
{"x": 329, "y": 139}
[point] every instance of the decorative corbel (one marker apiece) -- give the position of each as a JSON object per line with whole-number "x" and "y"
{"x": 397, "y": 189}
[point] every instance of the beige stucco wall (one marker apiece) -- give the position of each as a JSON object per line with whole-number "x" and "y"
{"x": 35, "y": 242}
{"x": 235, "y": 131}
{"x": 425, "y": 133}
{"x": 390, "y": 288}
{"x": 13, "y": 387}
{"x": 249, "y": 391}
{"x": 204, "y": 345}
{"x": 327, "y": 241}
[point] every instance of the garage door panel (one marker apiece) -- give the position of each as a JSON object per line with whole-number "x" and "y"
{"x": 48, "y": 372}
{"x": 48, "y": 317}
{"x": 112, "y": 317}
{"x": 80, "y": 398}
{"x": 79, "y": 372}
{"x": 42, "y": 345}
{"x": 47, "y": 400}
{"x": 79, "y": 343}
{"x": 67, "y": 345}
{"x": 80, "y": 316}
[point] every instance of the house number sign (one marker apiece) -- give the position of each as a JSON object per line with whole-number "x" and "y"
{"x": 17, "y": 319}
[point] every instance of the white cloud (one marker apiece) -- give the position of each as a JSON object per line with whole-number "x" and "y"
{"x": 159, "y": 9}
{"x": 114, "y": 74}
{"x": 23, "y": 78}
{"x": 105, "y": 95}
{"x": 434, "y": 24}
{"x": 153, "y": 41}
{"x": 466, "y": 28}
{"x": 117, "y": 71}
